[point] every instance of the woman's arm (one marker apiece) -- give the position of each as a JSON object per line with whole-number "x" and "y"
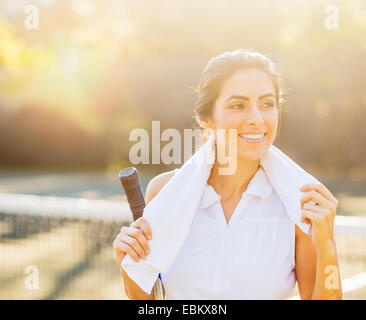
{"x": 317, "y": 268}
{"x": 316, "y": 281}
{"x": 133, "y": 291}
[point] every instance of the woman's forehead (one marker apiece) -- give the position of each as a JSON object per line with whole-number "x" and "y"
{"x": 247, "y": 82}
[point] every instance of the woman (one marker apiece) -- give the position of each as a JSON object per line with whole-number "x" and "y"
{"x": 242, "y": 244}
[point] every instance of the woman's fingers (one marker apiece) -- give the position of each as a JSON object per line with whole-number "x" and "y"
{"x": 123, "y": 247}
{"x": 314, "y": 196}
{"x": 322, "y": 190}
{"x": 312, "y": 216}
{"x": 321, "y": 195}
{"x": 133, "y": 240}
{"x": 144, "y": 225}
{"x": 133, "y": 243}
{"x": 325, "y": 203}
{"x": 139, "y": 236}
{"x": 314, "y": 208}
{"x": 119, "y": 253}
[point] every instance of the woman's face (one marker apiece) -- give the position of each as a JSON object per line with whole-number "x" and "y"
{"x": 247, "y": 103}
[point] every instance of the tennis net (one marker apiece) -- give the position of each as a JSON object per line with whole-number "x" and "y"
{"x": 61, "y": 248}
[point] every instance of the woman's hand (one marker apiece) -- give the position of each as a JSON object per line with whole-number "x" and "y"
{"x": 132, "y": 240}
{"x": 321, "y": 214}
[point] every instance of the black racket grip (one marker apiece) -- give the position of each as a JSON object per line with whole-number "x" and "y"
{"x": 130, "y": 182}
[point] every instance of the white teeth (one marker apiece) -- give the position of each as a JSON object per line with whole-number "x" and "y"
{"x": 252, "y": 136}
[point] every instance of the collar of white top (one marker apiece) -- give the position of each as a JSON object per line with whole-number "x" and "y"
{"x": 259, "y": 186}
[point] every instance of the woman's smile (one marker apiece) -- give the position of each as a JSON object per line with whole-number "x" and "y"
{"x": 253, "y": 138}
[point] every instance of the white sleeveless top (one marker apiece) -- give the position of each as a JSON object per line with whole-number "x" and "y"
{"x": 251, "y": 257}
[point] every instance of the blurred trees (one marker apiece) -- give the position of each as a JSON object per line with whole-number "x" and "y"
{"x": 71, "y": 91}
{"x": 37, "y": 136}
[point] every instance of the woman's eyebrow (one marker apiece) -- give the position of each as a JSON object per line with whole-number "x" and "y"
{"x": 237, "y": 97}
{"x": 267, "y": 95}
{"x": 247, "y": 99}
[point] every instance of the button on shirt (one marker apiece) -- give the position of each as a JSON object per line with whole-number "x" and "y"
{"x": 251, "y": 257}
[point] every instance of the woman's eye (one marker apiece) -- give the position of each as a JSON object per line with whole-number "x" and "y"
{"x": 237, "y": 106}
{"x": 268, "y": 104}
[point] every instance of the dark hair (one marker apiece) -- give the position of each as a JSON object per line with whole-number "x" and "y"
{"x": 221, "y": 67}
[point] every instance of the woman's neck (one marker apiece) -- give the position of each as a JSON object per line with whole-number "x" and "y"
{"x": 237, "y": 183}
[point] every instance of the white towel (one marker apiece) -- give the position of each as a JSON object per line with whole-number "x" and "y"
{"x": 171, "y": 212}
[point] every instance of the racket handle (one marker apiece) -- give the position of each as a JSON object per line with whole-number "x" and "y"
{"x": 130, "y": 182}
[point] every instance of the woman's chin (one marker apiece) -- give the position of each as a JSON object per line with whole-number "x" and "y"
{"x": 251, "y": 156}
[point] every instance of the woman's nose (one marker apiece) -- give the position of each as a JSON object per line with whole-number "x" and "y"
{"x": 254, "y": 115}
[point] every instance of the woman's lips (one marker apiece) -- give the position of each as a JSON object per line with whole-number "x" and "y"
{"x": 249, "y": 140}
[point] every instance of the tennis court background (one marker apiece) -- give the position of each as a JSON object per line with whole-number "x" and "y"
{"x": 72, "y": 90}
{"x": 69, "y": 241}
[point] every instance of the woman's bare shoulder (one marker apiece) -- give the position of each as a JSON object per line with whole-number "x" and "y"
{"x": 156, "y": 184}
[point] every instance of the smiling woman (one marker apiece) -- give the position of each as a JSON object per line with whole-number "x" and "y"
{"x": 243, "y": 242}
{"x": 256, "y": 103}
{"x": 237, "y": 85}
{"x": 220, "y": 68}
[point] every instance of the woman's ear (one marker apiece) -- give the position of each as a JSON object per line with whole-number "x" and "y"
{"x": 203, "y": 121}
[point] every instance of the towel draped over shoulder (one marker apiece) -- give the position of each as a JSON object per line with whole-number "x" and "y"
{"x": 171, "y": 212}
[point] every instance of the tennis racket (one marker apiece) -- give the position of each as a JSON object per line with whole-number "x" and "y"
{"x": 130, "y": 182}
